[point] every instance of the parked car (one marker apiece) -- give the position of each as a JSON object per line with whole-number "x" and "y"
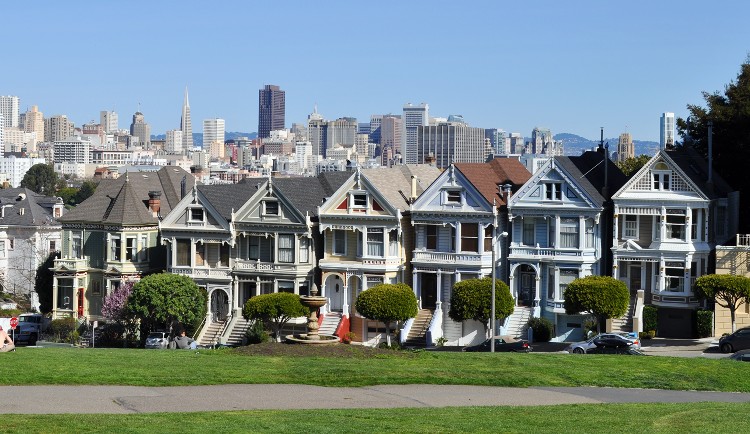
{"x": 741, "y": 356}
{"x": 157, "y": 340}
{"x": 739, "y": 340}
{"x": 503, "y": 344}
{"x": 583, "y": 346}
{"x": 627, "y": 350}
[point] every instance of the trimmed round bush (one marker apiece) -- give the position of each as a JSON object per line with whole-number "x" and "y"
{"x": 542, "y": 328}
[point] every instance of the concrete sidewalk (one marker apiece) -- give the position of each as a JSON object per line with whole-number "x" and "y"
{"x": 134, "y": 399}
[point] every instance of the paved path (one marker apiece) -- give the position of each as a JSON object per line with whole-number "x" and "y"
{"x": 134, "y": 399}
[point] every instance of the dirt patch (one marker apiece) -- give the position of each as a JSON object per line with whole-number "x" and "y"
{"x": 274, "y": 349}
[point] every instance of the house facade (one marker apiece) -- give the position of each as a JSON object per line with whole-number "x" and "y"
{"x": 733, "y": 259}
{"x": 558, "y": 227}
{"x": 113, "y": 236}
{"x": 668, "y": 218}
{"x": 457, "y": 222}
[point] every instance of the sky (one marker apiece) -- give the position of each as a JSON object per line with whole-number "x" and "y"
{"x": 568, "y": 66}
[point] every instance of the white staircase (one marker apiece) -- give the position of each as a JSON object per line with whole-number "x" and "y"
{"x": 516, "y": 322}
{"x": 212, "y": 334}
{"x": 330, "y": 324}
{"x": 416, "y": 337}
{"x": 625, "y": 323}
{"x": 235, "y": 336}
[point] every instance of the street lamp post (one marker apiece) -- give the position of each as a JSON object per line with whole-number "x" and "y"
{"x": 494, "y": 276}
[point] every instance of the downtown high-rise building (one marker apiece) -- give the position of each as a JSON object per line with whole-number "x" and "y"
{"x": 9, "y": 109}
{"x": 140, "y": 129}
{"x": 109, "y": 121}
{"x": 173, "y": 142}
{"x": 271, "y": 110}
{"x": 666, "y": 130}
{"x": 186, "y": 124}
{"x": 317, "y": 130}
{"x": 375, "y": 124}
{"x": 213, "y": 132}
{"x": 58, "y": 128}
{"x": 34, "y": 123}
{"x": 625, "y": 148}
{"x": 451, "y": 142}
{"x": 391, "y": 128}
{"x": 414, "y": 116}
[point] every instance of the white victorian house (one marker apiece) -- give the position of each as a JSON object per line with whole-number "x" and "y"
{"x": 456, "y": 227}
{"x": 559, "y": 233}
{"x": 668, "y": 219}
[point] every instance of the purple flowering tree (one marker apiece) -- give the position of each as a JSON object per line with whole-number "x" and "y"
{"x": 113, "y": 307}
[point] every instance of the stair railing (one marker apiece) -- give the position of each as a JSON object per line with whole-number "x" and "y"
{"x": 199, "y": 329}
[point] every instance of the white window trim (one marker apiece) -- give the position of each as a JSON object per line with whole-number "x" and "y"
{"x": 353, "y": 194}
{"x": 446, "y": 196}
{"x": 194, "y": 220}
{"x": 333, "y": 243}
{"x": 637, "y": 227}
{"x": 265, "y": 209}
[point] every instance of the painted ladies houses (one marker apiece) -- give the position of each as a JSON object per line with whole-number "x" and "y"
{"x": 559, "y": 232}
{"x": 241, "y": 240}
{"x": 113, "y": 236}
{"x": 668, "y": 219}
{"x": 367, "y": 237}
{"x": 456, "y": 226}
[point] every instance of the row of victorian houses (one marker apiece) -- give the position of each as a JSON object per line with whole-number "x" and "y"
{"x": 343, "y": 232}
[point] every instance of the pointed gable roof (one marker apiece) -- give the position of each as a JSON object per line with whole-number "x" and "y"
{"x": 37, "y": 208}
{"x": 591, "y": 168}
{"x": 499, "y": 171}
{"x": 226, "y": 198}
{"x": 306, "y": 194}
{"x": 695, "y": 167}
{"x": 392, "y": 182}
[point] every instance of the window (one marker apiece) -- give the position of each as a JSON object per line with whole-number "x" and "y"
{"x": 676, "y": 224}
{"x": 694, "y": 225}
{"x": 551, "y": 284}
{"x": 286, "y": 286}
{"x": 144, "y": 248}
{"x": 266, "y": 287}
{"x": 528, "y": 232}
{"x": 200, "y": 254}
{"x": 304, "y": 250}
{"x": 359, "y": 200}
{"x": 569, "y": 233}
{"x": 183, "y": 253}
{"x": 661, "y": 181}
{"x": 339, "y": 242}
{"x": 374, "y": 280}
{"x": 52, "y": 245}
{"x": 375, "y": 242}
{"x": 217, "y": 255}
{"x": 65, "y": 294}
{"x": 76, "y": 245}
{"x": 196, "y": 214}
{"x": 553, "y": 191}
{"x": 589, "y": 233}
{"x": 488, "y": 231}
{"x": 470, "y": 237}
{"x": 131, "y": 248}
{"x": 115, "y": 244}
{"x": 270, "y": 207}
{"x": 304, "y": 288}
{"x": 630, "y": 227}
{"x": 96, "y": 287}
{"x": 2, "y": 249}
{"x": 674, "y": 276}
{"x": 431, "y": 237}
{"x": 393, "y": 243}
{"x": 286, "y": 249}
{"x": 453, "y": 197}
{"x": 260, "y": 249}
{"x": 567, "y": 275}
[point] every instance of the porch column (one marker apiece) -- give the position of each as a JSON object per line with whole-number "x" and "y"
{"x": 457, "y": 240}
{"x": 54, "y": 297}
{"x": 663, "y": 227}
{"x": 615, "y": 267}
{"x": 417, "y": 289}
{"x": 236, "y": 295}
{"x": 689, "y": 224}
{"x": 345, "y": 288}
{"x": 615, "y": 226}
{"x": 660, "y": 284}
{"x": 439, "y": 299}
{"x": 480, "y": 238}
{"x": 537, "y": 309}
{"x": 75, "y": 297}
{"x": 512, "y": 285}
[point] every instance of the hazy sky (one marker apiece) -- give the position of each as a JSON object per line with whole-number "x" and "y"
{"x": 568, "y": 66}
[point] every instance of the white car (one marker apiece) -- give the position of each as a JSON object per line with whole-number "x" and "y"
{"x": 157, "y": 340}
{"x": 583, "y": 346}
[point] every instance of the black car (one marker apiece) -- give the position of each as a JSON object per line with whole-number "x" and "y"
{"x": 612, "y": 341}
{"x": 505, "y": 344}
{"x": 628, "y": 351}
{"x": 741, "y": 356}
{"x": 739, "y": 340}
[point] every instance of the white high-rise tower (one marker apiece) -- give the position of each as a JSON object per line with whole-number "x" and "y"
{"x": 186, "y": 125}
{"x": 666, "y": 128}
{"x": 413, "y": 118}
{"x": 9, "y": 110}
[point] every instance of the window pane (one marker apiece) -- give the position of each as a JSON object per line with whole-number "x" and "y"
{"x": 183, "y": 253}
{"x": 286, "y": 248}
{"x": 470, "y": 237}
{"x": 569, "y": 233}
{"x": 375, "y": 242}
{"x": 304, "y": 250}
{"x": 431, "y": 235}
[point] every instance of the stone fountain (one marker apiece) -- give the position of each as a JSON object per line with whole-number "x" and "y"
{"x": 312, "y": 302}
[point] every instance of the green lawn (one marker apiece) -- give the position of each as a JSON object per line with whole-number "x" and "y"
{"x": 602, "y": 418}
{"x": 177, "y": 368}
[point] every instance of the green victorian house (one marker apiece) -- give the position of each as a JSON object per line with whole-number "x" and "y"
{"x": 112, "y": 237}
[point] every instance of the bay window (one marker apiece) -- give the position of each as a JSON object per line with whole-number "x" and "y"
{"x": 286, "y": 248}
{"x": 375, "y": 242}
{"x": 569, "y": 230}
{"x": 470, "y": 237}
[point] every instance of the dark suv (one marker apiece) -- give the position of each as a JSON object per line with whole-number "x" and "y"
{"x": 739, "y": 340}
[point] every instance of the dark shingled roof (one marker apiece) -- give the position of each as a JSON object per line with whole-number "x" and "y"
{"x": 487, "y": 176}
{"x": 590, "y": 167}
{"x": 228, "y": 197}
{"x": 37, "y": 208}
{"x": 696, "y": 168}
{"x": 124, "y": 200}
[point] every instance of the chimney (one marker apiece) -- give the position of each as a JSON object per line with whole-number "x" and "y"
{"x": 506, "y": 193}
{"x": 154, "y": 202}
{"x": 413, "y": 188}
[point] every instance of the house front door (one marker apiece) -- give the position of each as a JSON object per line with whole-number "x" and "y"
{"x": 219, "y": 305}
{"x": 429, "y": 291}
{"x": 526, "y": 293}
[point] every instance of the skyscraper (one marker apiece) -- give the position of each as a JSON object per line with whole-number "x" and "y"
{"x": 58, "y": 128}
{"x": 666, "y": 129}
{"x": 413, "y": 118}
{"x": 34, "y": 123}
{"x": 317, "y": 132}
{"x": 390, "y": 133}
{"x": 213, "y": 131}
{"x": 452, "y": 142}
{"x": 186, "y": 125}
{"x": 139, "y": 128}
{"x": 109, "y": 121}
{"x": 271, "y": 110}
{"x": 625, "y": 148}
{"x": 9, "y": 110}
{"x": 173, "y": 142}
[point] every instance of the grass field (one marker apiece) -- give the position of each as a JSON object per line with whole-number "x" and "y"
{"x": 603, "y": 418}
{"x": 37, "y": 366}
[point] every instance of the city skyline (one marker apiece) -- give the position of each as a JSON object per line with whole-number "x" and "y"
{"x": 515, "y": 67}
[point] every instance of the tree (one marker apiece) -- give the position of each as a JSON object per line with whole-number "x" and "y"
{"x": 163, "y": 299}
{"x": 472, "y": 299}
{"x": 41, "y": 178}
{"x": 727, "y": 290}
{"x": 87, "y": 189}
{"x": 631, "y": 165}
{"x": 274, "y": 309}
{"x": 603, "y": 296}
{"x": 387, "y": 302}
{"x": 43, "y": 282}
{"x": 730, "y": 113}
{"x": 114, "y": 307}
{"x": 68, "y": 195}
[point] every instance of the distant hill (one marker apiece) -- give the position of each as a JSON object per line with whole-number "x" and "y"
{"x": 575, "y": 144}
{"x": 198, "y": 137}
